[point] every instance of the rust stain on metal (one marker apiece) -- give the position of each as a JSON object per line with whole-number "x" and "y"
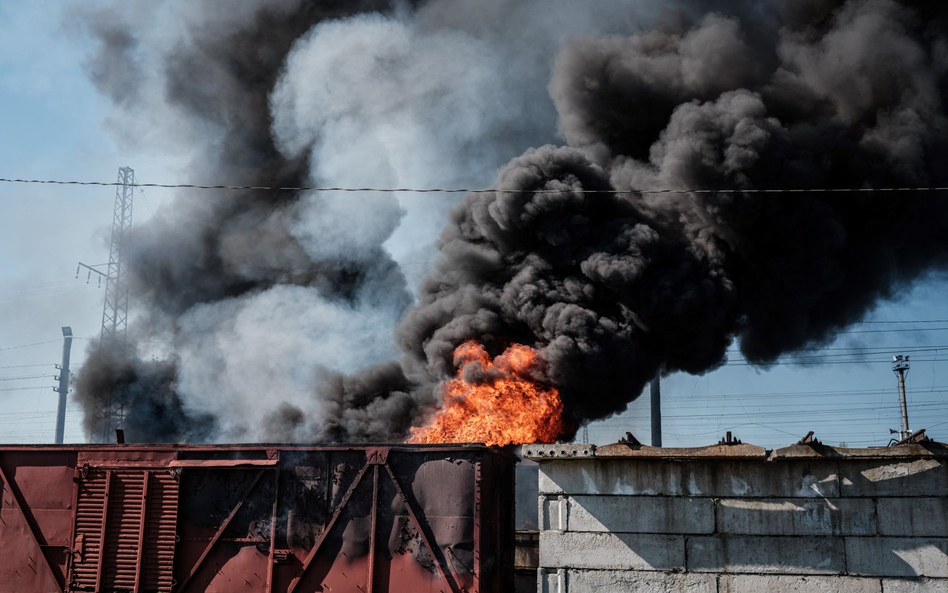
{"x": 187, "y": 519}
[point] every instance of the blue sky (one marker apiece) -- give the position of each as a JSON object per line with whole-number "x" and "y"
{"x": 54, "y": 125}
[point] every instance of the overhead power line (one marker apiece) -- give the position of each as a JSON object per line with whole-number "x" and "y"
{"x": 29, "y": 345}
{"x": 907, "y": 321}
{"x": 24, "y": 378}
{"x": 453, "y": 190}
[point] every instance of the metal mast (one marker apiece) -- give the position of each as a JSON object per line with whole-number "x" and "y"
{"x": 63, "y": 388}
{"x": 900, "y": 366}
{"x": 655, "y": 388}
{"x": 110, "y": 414}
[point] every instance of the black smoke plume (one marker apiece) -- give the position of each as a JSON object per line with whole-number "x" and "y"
{"x": 570, "y": 253}
{"x": 153, "y": 411}
{"x": 208, "y": 248}
{"x": 615, "y": 285}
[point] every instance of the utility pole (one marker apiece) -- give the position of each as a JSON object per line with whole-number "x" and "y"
{"x": 109, "y": 413}
{"x": 63, "y": 388}
{"x": 900, "y": 366}
{"x": 656, "y": 393}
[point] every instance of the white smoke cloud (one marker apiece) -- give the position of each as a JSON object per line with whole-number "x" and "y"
{"x": 241, "y": 357}
{"x": 440, "y": 97}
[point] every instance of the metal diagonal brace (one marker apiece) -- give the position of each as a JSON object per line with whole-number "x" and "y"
{"x": 322, "y": 537}
{"x": 455, "y": 587}
{"x": 221, "y": 529}
{"x": 31, "y": 526}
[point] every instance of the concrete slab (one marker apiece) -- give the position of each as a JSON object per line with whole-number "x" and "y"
{"x": 766, "y": 555}
{"x": 640, "y": 514}
{"x": 623, "y": 581}
{"x": 796, "y": 516}
{"x": 914, "y": 585}
{"x": 807, "y": 478}
{"x": 796, "y": 584}
{"x": 913, "y": 516}
{"x": 610, "y": 477}
{"x": 733, "y": 451}
{"x": 614, "y": 551}
{"x": 919, "y": 477}
{"x": 897, "y": 556}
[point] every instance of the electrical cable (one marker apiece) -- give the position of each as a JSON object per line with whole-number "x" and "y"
{"x": 29, "y": 345}
{"x": 24, "y": 378}
{"x": 472, "y": 190}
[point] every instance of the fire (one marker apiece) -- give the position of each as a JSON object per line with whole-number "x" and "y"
{"x": 507, "y": 407}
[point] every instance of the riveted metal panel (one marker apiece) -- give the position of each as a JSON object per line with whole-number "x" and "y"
{"x": 274, "y": 519}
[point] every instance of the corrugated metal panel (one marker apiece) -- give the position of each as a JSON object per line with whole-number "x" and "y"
{"x": 125, "y": 531}
{"x": 160, "y": 533}
{"x": 425, "y": 519}
{"x": 90, "y": 513}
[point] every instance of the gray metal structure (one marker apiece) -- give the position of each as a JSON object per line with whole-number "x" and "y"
{"x": 656, "y": 396}
{"x": 900, "y": 366}
{"x": 109, "y": 412}
{"x": 63, "y": 388}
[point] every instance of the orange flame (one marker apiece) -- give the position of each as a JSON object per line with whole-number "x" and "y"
{"x": 509, "y": 408}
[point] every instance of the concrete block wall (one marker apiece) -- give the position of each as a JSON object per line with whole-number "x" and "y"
{"x": 736, "y": 518}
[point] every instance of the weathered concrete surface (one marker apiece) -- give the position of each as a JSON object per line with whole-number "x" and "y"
{"x": 725, "y": 519}
{"x": 919, "y": 477}
{"x": 543, "y": 452}
{"x": 796, "y": 584}
{"x": 909, "y": 452}
{"x": 613, "y": 477}
{"x": 897, "y": 556}
{"x": 914, "y": 586}
{"x": 711, "y": 452}
{"x": 637, "y": 514}
{"x": 553, "y": 510}
{"x": 617, "y": 551}
{"x": 765, "y": 555}
{"x": 796, "y": 516}
{"x": 913, "y": 516}
{"x": 608, "y": 581}
{"x": 728, "y": 478}
{"x": 754, "y": 479}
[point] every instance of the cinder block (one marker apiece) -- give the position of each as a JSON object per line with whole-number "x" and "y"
{"x": 914, "y": 585}
{"x": 624, "y": 581}
{"x": 919, "y": 477}
{"x": 796, "y": 584}
{"x": 803, "y": 478}
{"x": 553, "y": 511}
{"x": 913, "y": 516}
{"x": 748, "y": 554}
{"x": 551, "y": 581}
{"x": 639, "y": 514}
{"x": 897, "y": 556}
{"x": 611, "y": 551}
{"x": 621, "y": 476}
{"x": 796, "y": 516}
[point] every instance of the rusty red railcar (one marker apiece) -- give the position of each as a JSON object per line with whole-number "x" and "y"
{"x": 256, "y": 518}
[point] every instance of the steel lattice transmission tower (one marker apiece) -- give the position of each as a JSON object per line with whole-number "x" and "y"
{"x": 109, "y": 412}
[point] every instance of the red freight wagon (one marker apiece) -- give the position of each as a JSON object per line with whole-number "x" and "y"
{"x": 256, "y": 518}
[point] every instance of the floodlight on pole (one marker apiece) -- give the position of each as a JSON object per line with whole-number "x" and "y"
{"x": 901, "y": 366}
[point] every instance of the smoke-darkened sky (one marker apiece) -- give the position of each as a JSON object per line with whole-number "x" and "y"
{"x": 270, "y": 300}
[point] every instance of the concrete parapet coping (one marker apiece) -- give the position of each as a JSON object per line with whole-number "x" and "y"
{"x": 930, "y": 450}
